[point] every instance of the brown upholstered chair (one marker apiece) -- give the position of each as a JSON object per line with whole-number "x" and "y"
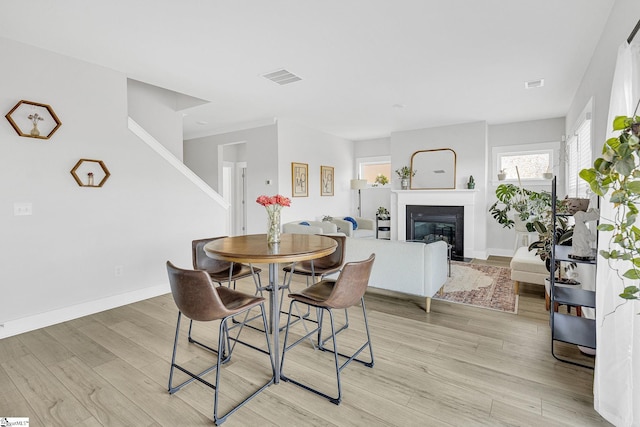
{"x": 326, "y": 295}
{"x": 223, "y": 271}
{"x": 199, "y": 299}
{"x": 316, "y": 269}
{"x": 320, "y": 267}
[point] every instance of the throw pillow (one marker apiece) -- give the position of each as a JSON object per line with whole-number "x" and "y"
{"x": 305, "y": 223}
{"x": 352, "y": 221}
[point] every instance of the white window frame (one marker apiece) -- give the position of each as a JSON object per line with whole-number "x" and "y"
{"x": 552, "y": 148}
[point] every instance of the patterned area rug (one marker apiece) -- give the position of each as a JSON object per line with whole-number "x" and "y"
{"x": 480, "y": 286}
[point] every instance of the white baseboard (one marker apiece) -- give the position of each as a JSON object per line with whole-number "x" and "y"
{"x": 26, "y": 324}
{"x": 500, "y": 252}
{"x": 480, "y": 254}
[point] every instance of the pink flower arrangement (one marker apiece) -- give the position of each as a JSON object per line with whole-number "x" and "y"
{"x": 278, "y": 200}
{"x": 273, "y": 205}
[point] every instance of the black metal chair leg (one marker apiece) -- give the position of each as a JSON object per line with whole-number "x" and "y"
{"x": 223, "y": 342}
{"x": 336, "y": 354}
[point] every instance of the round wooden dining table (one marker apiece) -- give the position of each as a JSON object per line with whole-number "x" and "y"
{"x": 254, "y": 248}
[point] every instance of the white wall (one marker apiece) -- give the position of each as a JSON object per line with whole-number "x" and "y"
{"x": 372, "y": 148}
{"x": 301, "y": 144}
{"x": 261, "y": 154}
{"x": 500, "y": 241}
{"x": 469, "y": 141}
{"x": 59, "y": 263}
{"x": 156, "y": 110}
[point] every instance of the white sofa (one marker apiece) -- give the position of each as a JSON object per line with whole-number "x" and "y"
{"x": 314, "y": 227}
{"x": 409, "y": 267}
{"x": 366, "y": 227}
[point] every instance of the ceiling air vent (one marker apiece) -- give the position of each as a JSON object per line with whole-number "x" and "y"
{"x": 282, "y": 77}
{"x": 534, "y": 84}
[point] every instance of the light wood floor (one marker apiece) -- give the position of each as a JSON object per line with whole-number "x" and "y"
{"x": 458, "y": 365}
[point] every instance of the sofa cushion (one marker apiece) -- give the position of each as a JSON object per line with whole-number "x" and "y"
{"x": 363, "y": 233}
{"x": 526, "y": 260}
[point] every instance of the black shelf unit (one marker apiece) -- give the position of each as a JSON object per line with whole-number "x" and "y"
{"x": 564, "y": 327}
{"x": 383, "y": 228}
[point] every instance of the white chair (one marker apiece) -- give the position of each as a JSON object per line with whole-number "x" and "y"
{"x": 366, "y": 228}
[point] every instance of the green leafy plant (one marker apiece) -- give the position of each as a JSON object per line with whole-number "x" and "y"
{"x": 617, "y": 172}
{"x": 405, "y": 172}
{"x": 529, "y": 205}
{"x": 382, "y": 213}
{"x": 560, "y": 232}
{"x": 534, "y": 209}
{"x": 380, "y": 180}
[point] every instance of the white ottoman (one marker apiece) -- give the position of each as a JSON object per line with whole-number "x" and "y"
{"x": 527, "y": 267}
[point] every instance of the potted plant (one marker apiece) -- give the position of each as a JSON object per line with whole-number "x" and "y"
{"x": 528, "y": 205}
{"x": 563, "y": 233}
{"x": 382, "y": 213}
{"x": 617, "y": 171}
{"x": 405, "y": 173}
{"x": 502, "y": 175}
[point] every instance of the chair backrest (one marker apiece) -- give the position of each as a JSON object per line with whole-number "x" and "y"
{"x": 203, "y": 262}
{"x": 351, "y": 284}
{"x": 334, "y": 259}
{"x": 195, "y": 294}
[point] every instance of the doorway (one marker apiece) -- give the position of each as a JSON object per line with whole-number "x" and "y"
{"x": 233, "y": 185}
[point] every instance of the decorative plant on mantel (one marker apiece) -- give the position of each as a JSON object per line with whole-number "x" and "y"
{"x": 618, "y": 172}
{"x": 405, "y": 172}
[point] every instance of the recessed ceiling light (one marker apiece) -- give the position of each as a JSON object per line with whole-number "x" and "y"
{"x": 202, "y": 122}
{"x": 398, "y": 106}
{"x": 534, "y": 84}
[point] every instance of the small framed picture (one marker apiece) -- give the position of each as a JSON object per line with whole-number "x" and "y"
{"x": 326, "y": 180}
{"x": 299, "y": 179}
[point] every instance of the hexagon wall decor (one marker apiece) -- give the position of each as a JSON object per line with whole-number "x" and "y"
{"x": 33, "y": 120}
{"x": 95, "y": 171}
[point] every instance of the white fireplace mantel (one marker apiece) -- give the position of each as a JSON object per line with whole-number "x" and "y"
{"x": 466, "y": 198}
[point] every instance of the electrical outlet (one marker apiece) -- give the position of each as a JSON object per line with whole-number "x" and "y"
{"x": 119, "y": 270}
{"x": 21, "y": 209}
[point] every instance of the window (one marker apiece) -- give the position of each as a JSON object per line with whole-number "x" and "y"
{"x": 531, "y": 162}
{"x": 370, "y": 167}
{"x": 526, "y": 166}
{"x": 578, "y": 152}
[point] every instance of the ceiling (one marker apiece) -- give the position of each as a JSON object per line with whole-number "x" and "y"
{"x": 368, "y": 67}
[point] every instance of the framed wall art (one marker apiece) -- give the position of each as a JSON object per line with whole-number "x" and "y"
{"x": 299, "y": 179}
{"x": 326, "y": 180}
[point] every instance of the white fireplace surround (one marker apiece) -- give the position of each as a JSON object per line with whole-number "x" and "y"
{"x": 466, "y": 198}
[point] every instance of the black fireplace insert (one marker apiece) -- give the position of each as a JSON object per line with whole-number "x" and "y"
{"x": 433, "y": 223}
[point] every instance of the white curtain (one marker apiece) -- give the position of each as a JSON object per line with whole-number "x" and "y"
{"x": 617, "y": 373}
